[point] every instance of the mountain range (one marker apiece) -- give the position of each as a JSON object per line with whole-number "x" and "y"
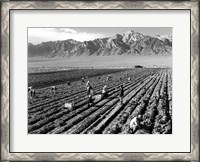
{"x": 129, "y": 43}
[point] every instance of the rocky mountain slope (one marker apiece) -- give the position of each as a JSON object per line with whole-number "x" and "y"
{"x": 129, "y": 43}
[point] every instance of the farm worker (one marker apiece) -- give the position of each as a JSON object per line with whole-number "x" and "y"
{"x": 104, "y": 92}
{"x": 90, "y": 93}
{"x": 33, "y": 93}
{"x": 168, "y": 127}
{"x": 53, "y": 89}
{"x": 69, "y": 106}
{"x": 109, "y": 78}
{"x": 29, "y": 89}
{"x": 87, "y": 84}
{"x": 129, "y": 79}
{"x": 135, "y": 123}
{"x": 121, "y": 94}
{"x": 163, "y": 120}
{"x": 68, "y": 83}
{"x": 83, "y": 79}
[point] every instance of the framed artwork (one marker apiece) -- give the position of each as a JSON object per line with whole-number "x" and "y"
{"x": 100, "y": 80}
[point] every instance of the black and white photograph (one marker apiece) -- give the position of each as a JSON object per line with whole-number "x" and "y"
{"x": 99, "y": 80}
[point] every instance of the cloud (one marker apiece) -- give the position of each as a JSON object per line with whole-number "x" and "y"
{"x": 38, "y": 35}
{"x": 61, "y": 30}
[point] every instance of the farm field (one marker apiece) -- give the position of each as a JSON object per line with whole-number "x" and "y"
{"x": 45, "y": 79}
{"x": 148, "y": 93}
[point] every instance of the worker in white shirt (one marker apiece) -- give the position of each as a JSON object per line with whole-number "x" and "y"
{"x": 104, "y": 92}
{"x": 87, "y": 83}
{"x": 135, "y": 123}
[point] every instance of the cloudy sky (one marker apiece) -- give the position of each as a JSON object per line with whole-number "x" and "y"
{"x": 39, "y": 35}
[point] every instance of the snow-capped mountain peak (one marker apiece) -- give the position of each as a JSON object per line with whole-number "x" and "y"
{"x": 129, "y": 43}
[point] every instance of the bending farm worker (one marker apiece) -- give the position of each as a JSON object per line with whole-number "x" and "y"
{"x": 135, "y": 123}
{"x": 104, "y": 92}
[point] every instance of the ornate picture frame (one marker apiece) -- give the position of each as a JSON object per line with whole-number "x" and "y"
{"x": 7, "y": 6}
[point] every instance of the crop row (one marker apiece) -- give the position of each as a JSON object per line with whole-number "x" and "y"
{"x": 149, "y": 94}
{"x": 80, "y": 90}
{"x": 39, "y": 80}
{"x": 136, "y": 106}
{"x": 112, "y": 105}
{"x": 45, "y": 96}
{"x": 80, "y": 100}
{"x": 163, "y": 119}
{"x": 71, "y": 114}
